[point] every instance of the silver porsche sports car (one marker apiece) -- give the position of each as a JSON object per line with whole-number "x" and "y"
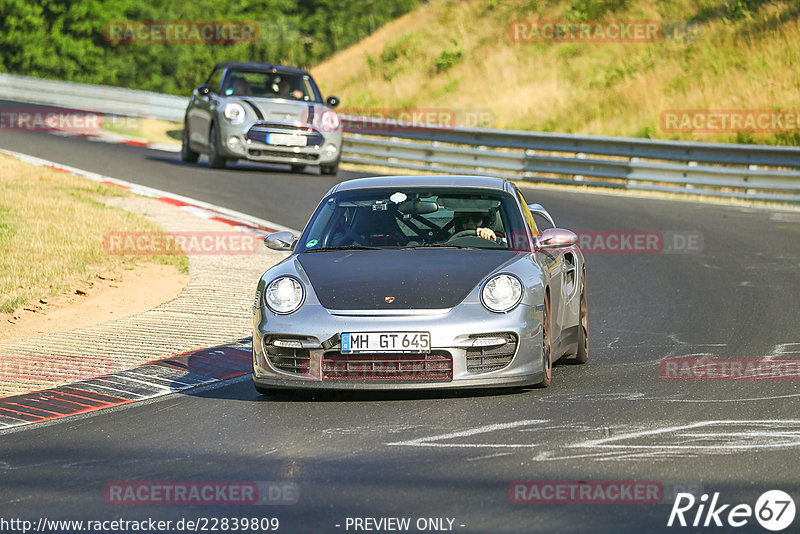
{"x": 420, "y": 282}
{"x": 266, "y": 113}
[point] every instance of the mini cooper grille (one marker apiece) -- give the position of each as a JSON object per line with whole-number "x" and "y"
{"x": 282, "y": 126}
{"x": 434, "y": 367}
{"x": 289, "y": 360}
{"x": 485, "y": 359}
{"x": 260, "y": 133}
{"x": 282, "y": 154}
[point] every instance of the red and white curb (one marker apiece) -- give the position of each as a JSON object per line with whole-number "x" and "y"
{"x": 115, "y": 139}
{"x": 238, "y": 220}
{"x": 200, "y": 367}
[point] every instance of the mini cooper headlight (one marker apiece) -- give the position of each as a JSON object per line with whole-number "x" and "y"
{"x": 330, "y": 121}
{"x": 234, "y": 113}
{"x": 284, "y": 295}
{"x": 501, "y": 293}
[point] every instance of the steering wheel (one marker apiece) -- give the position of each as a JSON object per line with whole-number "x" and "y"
{"x": 463, "y": 233}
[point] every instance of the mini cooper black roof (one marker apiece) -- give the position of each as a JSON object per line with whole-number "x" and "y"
{"x": 266, "y": 67}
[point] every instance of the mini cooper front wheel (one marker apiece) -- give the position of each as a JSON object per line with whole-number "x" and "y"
{"x": 331, "y": 170}
{"x": 187, "y": 154}
{"x": 215, "y": 161}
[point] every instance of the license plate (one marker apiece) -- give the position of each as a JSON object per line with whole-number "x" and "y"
{"x": 286, "y": 140}
{"x": 355, "y": 342}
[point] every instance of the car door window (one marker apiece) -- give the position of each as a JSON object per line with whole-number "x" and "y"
{"x": 215, "y": 79}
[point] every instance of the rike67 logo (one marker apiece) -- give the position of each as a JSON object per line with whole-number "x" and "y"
{"x": 774, "y": 510}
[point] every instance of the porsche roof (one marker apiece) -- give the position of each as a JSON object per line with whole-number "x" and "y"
{"x": 440, "y": 180}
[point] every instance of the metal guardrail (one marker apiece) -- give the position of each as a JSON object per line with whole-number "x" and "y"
{"x": 716, "y": 169}
{"x": 100, "y": 98}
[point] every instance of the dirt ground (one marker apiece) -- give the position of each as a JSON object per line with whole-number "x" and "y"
{"x": 107, "y": 297}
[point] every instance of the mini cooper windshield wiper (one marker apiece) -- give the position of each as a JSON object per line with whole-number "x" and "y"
{"x": 347, "y": 247}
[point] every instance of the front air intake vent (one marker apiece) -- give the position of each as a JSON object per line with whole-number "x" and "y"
{"x": 483, "y": 359}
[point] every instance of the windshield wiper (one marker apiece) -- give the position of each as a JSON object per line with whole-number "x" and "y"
{"x": 346, "y": 247}
{"x": 440, "y": 245}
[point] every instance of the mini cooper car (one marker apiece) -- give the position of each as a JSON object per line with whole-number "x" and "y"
{"x": 420, "y": 282}
{"x": 262, "y": 113}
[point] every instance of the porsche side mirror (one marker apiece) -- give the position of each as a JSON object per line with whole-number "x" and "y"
{"x": 539, "y": 210}
{"x": 204, "y": 89}
{"x": 332, "y": 101}
{"x": 555, "y": 238}
{"x": 283, "y": 241}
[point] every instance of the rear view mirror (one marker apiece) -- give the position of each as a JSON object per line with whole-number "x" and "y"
{"x": 419, "y": 207}
{"x": 555, "y": 238}
{"x": 282, "y": 241}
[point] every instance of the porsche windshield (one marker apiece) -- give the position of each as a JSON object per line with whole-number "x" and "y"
{"x": 412, "y": 218}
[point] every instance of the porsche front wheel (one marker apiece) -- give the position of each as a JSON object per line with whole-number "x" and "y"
{"x": 582, "y": 356}
{"x": 547, "y": 356}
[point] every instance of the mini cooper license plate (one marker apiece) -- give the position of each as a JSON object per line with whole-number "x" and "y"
{"x": 286, "y": 140}
{"x": 355, "y": 342}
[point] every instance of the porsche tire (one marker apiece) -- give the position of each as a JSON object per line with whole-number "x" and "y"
{"x": 547, "y": 355}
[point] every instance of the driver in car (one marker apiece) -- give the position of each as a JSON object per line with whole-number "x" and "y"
{"x": 473, "y": 221}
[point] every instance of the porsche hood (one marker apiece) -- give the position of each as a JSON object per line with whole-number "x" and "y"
{"x": 398, "y": 278}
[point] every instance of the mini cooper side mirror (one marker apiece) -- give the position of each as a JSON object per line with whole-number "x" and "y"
{"x": 332, "y": 101}
{"x": 556, "y": 238}
{"x": 204, "y": 89}
{"x": 282, "y": 241}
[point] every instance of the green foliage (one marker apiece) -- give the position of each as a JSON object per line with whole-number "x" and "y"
{"x": 398, "y": 55}
{"x": 738, "y": 9}
{"x": 9, "y": 305}
{"x": 592, "y": 9}
{"x": 447, "y": 59}
{"x": 64, "y": 39}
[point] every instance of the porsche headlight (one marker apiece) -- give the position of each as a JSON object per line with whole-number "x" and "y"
{"x": 501, "y": 293}
{"x": 234, "y": 113}
{"x": 284, "y": 295}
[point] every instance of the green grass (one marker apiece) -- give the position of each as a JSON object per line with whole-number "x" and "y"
{"x": 52, "y": 228}
{"x": 716, "y": 54}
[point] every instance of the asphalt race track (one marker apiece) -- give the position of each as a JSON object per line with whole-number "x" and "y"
{"x": 456, "y": 455}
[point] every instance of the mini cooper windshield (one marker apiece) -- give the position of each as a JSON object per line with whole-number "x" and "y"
{"x": 270, "y": 85}
{"x": 416, "y": 218}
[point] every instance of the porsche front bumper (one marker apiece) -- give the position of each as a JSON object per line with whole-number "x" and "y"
{"x": 309, "y": 354}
